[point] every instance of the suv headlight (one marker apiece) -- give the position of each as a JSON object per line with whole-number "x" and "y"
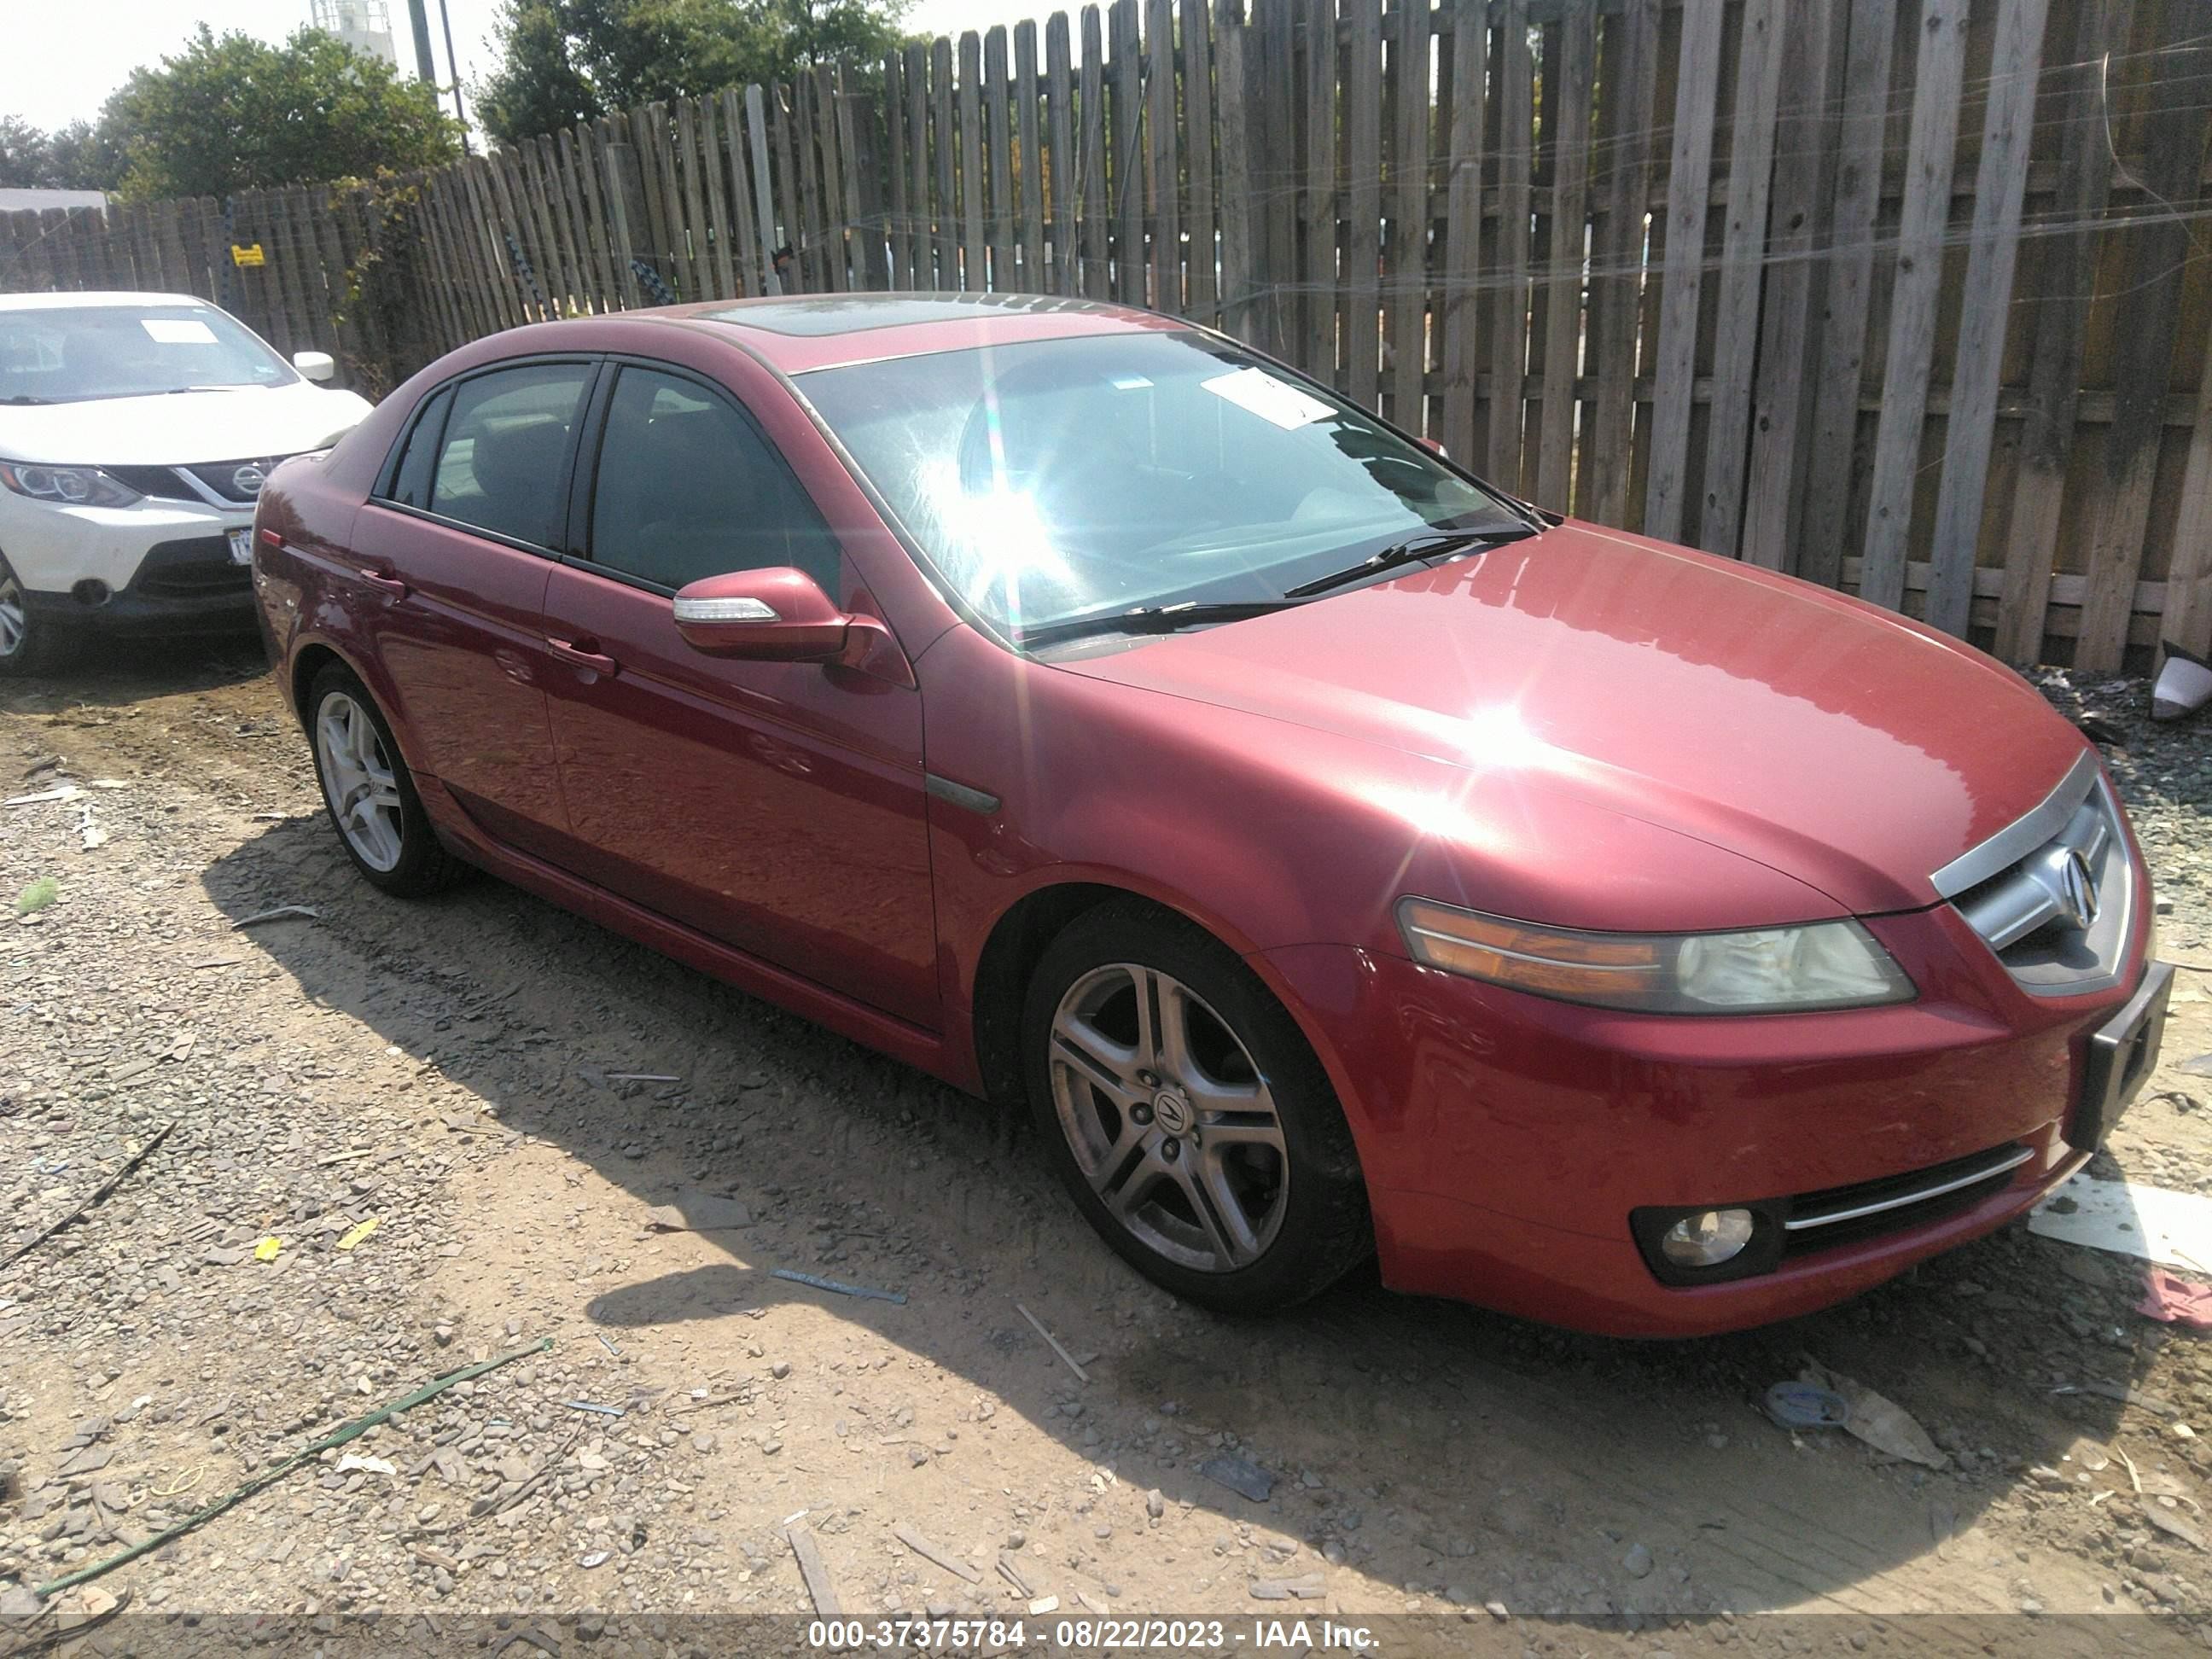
{"x": 68, "y": 486}
{"x": 1827, "y": 965}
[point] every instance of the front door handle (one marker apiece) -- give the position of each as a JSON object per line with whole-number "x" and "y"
{"x": 570, "y": 650}
{"x": 386, "y": 582}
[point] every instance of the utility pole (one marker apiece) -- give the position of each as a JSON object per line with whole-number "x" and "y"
{"x": 418, "y": 14}
{"x": 445, "y": 21}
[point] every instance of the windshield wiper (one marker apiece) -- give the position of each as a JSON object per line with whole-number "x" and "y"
{"x": 1410, "y": 552}
{"x": 1148, "y": 619}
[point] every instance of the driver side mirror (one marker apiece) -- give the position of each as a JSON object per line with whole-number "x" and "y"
{"x": 315, "y": 364}
{"x": 781, "y": 614}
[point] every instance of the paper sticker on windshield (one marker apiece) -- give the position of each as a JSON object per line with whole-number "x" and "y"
{"x": 177, "y": 330}
{"x": 1269, "y": 398}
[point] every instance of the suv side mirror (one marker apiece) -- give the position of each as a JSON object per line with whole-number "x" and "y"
{"x": 781, "y": 614}
{"x": 315, "y": 364}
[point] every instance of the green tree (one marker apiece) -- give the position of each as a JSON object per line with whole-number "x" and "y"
{"x": 564, "y": 61}
{"x": 79, "y": 156}
{"x": 232, "y": 112}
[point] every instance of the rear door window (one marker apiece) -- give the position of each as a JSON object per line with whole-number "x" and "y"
{"x": 503, "y": 464}
{"x": 687, "y": 488}
{"x": 411, "y": 483}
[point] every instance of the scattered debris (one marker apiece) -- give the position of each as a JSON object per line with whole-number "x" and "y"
{"x": 281, "y": 913}
{"x": 353, "y": 1461}
{"x": 2126, "y": 1396}
{"x": 37, "y": 895}
{"x": 1308, "y": 1589}
{"x": 60, "y": 791}
{"x": 1081, "y": 1375}
{"x": 89, "y": 834}
{"x": 810, "y": 1568}
{"x": 2135, "y": 1476}
{"x": 698, "y": 1213}
{"x": 922, "y": 1546}
{"x": 268, "y": 1249}
{"x": 2150, "y": 1223}
{"x": 2168, "y": 1521}
{"x": 1045, "y": 1604}
{"x": 587, "y": 1405}
{"x": 1879, "y": 1422}
{"x": 608, "y": 1345}
{"x": 639, "y": 1077}
{"x": 98, "y": 1197}
{"x": 268, "y": 1477}
{"x": 1804, "y": 1405}
{"x": 358, "y": 1232}
{"x": 1245, "y": 1479}
{"x": 820, "y": 1284}
{"x": 2174, "y": 1300}
{"x": 1012, "y": 1575}
{"x": 2184, "y": 684}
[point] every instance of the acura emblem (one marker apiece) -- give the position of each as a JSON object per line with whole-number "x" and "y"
{"x": 248, "y": 479}
{"x": 2066, "y": 877}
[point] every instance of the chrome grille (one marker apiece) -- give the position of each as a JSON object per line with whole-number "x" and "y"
{"x": 2053, "y": 895}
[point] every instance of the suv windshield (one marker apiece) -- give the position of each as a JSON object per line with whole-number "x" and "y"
{"x": 72, "y": 354}
{"x": 1058, "y": 478}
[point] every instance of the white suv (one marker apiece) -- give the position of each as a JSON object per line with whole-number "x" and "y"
{"x": 135, "y": 432}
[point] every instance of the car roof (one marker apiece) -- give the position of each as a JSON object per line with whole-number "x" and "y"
{"x": 797, "y": 333}
{"x": 96, "y": 297}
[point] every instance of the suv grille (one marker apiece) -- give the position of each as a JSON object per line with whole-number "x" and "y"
{"x": 222, "y": 476}
{"x": 2053, "y": 895}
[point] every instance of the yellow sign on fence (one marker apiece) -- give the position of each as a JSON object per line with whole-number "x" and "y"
{"x": 247, "y": 254}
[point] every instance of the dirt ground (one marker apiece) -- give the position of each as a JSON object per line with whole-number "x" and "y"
{"x": 450, "y": 1070}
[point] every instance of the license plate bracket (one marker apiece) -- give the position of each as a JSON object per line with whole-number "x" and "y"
{"x": 2120, "y": 1056}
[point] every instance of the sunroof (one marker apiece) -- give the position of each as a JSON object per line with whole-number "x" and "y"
{"x": 817, "y": 315}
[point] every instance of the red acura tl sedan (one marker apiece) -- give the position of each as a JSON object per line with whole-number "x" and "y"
{"x": 1337, "y": 854}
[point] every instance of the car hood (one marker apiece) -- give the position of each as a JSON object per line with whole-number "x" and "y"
{"x": 182, "y": 430}
{"x": 1845, "y": 747}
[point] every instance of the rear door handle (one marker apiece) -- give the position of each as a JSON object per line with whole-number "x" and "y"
{"x": 569, "y": 652}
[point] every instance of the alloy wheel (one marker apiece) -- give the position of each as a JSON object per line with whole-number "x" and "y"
{"x": 1169, "y": 1119}
{"x": 358, "y": 781}
{"x": 14, "y": 620}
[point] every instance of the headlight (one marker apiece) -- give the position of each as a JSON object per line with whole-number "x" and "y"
{"x": 69, "y": 486}
{"x": 1828, "y": 964}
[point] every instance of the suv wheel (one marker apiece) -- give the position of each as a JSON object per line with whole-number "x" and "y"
{"x": 29, "y": 644}
{"x": 1184, "y": 1111}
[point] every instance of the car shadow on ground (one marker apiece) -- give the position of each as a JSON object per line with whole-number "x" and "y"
{"x": 113, "y": 673}
{"x": 1437, "y": 1446}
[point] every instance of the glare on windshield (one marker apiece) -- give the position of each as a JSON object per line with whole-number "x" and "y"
{"x": 1052, "y": 478}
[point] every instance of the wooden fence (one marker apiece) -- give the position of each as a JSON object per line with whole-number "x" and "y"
{"x": 1908, "y": 296}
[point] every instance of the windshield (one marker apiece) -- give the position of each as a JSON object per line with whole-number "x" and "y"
{"x": 75, "y": 353}
{"x": 1057, "y": 479}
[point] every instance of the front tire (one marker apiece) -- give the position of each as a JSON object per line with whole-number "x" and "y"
{"x": 29, "y": 643}
{"x": 1187, "y": 1115}
{"x": 369, "y": 793}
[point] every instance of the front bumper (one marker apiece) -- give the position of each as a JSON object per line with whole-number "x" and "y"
{"x": 1509, "y": 1140}
{"x": 157, "y": 567}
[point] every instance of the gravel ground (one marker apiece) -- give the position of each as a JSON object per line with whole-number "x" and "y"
{"x": 455, "y": 1072}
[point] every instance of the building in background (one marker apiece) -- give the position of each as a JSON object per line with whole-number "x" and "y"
{"x": 364, "y": 25}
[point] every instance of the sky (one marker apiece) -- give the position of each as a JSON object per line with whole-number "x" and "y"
{"x": 61, "y": 61}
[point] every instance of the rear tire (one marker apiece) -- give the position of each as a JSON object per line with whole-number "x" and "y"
{"x": 29, "y": 643}
{"x": 369, "y": 794}
{"x": 1187, "y": 1115}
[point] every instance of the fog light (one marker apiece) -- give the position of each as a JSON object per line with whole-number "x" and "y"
{"x": 91, "y": 592}
{"x": 1707, "y": 1238}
